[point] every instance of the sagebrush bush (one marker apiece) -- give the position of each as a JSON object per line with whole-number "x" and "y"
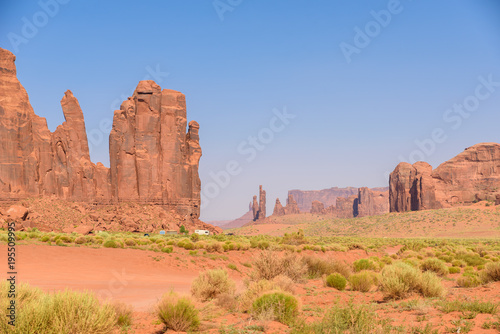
{"x": 491, "y": 272}
{"x": 256, "y": 289}
{"x": 400, "y": 279}
{"x": 177, "y": 313}
{"x": 211, "y": 283}
{"x": 435, "y": 265}
{"x": 317, "y": 267}
{"x": 130, "y": 242}
{"x": 430, "y": 285}
{"x": 111, "y": 244}
{"x": 284, "y": 306}
{"x": 364, "y": 264}
{"x": 269, "y": 264}
{"x": 363, "y": 281}
{"x": 80, "y": 240}
{"x": 168, "y": 249}
{"x": 336, "y": 281}
{"x": 454, "y": 270}
{"x": 469, "y": 280}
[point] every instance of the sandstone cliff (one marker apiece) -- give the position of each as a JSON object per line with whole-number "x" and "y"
{"x": 471, "y": 176}
{"x": 153, "y": 159}
{"x": 259, "y": 208}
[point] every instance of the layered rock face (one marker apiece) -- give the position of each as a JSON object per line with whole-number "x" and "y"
{"x": 291, "y": 207}
{"x": 371, "y": 202}
{"x": 279, "y": 210}
{"x": 259, "y": 208}
{"x": 318, "y": 207}
{"x": 152, "y": 157}
{"x": 34, "y": 161}
{"x": 471, "y": 176}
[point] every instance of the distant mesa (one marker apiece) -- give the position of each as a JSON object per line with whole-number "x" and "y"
{"x": 365, "y": 202}
{"x": 153, "y": 159}
{"x": 471, "y": 176}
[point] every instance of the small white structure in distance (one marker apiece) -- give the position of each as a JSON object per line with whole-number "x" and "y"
{"x": 202, "y": 232}
{"x": 162, "y": 232}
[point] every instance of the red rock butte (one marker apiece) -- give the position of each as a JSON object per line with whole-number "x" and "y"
{"x": 471, "y": 176}
{"x": 152, "y": 158}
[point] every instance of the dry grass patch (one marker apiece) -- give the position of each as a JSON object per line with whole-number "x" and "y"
{"x": 177, "y": 313}
{"x": 211, "y": 283}
{"x": 269, "y": 264}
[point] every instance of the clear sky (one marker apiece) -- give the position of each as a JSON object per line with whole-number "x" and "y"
{"x": 367, "y": 82}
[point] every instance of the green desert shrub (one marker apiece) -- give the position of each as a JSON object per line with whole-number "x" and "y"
{"x": 469, "y": 280}
{"x": 80, "y": 240}
{"x": 283, "y": 306}
{"x": 336, "y": 281}
{"x": 130, "y": 242}
{"x": 258, "y": 288}
{"x": 363, "y": 281}
{"x": 435, "y": 265}
{"x": 430, "y": 285}
{"x": 400, "y": 279}
{"x": 364, "y": 264}
{"x": 177, "y": 313}
{"x": 110, "y": 244}
{"x": 458, "y": 263}
{"x": 168, "y": 249}
{"x": 211, "y": 283}
{"x": 472, "y": 259}
{"x": 454, "y": 270}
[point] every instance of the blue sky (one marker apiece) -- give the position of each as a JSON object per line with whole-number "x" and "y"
{"x": 354, "y": 121}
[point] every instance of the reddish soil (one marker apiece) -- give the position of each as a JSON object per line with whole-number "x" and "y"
{"x": 140, "y": 278}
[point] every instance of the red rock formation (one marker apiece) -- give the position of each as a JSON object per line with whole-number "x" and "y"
{"x": 152, "y": 158}
{"x": 470, "y": 176}
{"x": 291, "y": 207}
{"x": 259, "y": 208}
{"x": 34, "y": 161}
{"x": 279, "y": 210}
{"x": 304, "y": 198}
{"x": 344, "y": 208}
{"x": 318, "y": 207}
{"x": 371, "y": 202}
